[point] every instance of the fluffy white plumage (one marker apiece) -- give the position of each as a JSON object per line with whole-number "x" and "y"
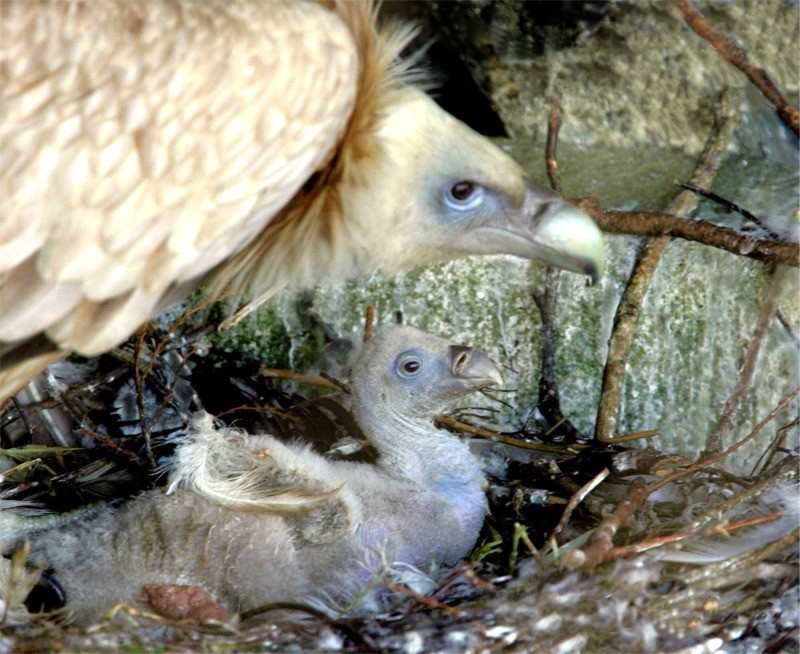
{"x": 253, "y": 521}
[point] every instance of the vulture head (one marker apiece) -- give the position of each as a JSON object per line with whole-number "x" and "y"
{"x": 457, "y": 194}
{"x": 150, "y": 148}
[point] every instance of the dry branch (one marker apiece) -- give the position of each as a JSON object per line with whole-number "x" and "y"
{"x": 546, "y": 299}
{"x": 576, "y": 499}
{"x": 602, "y": 541}
{"x": 430, "y": 602}
{"x": 654, "y": 224}
{"x": 736, "y": 56}
{"x": 314, "y": 380}
{"x": 647, "y": 260}
{"x": 671, "y": 539}
{"x": 553, "y": 126}
{"x": 714, "y": 459}
{"x": 732, "y": 206}
{"x": 369, "y": 320}
{"x": 722, "y": 429}
{"x": 452, "y": 423}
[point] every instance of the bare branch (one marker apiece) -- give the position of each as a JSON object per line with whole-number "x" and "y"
{"x": 714, "y": 459}
{"x": 653, "y": 224}
{"x": 600, "y": 546}
{"x": 722, "y": 429}
{"x": 736, "y": 56}
{"x": 553, "y": 126}
{"x": 549, "y": 401}
{"x": 732, "y": 206}
{"x": 452, "y": 423}
{"x": 647, "y": 260}
{"x": 576, "y": 499}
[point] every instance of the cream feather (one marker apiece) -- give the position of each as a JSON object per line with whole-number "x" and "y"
{"x": 148, "y": 148}
{"x": 240, "y": 471}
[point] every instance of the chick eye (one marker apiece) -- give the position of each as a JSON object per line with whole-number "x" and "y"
{"x": 409, "y": 365}
{"x": 464, "y": 195}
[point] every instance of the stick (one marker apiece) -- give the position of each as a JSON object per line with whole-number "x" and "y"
{"x": 423, "y": 599}
{"x": 368, "y": 320}
{"x": 553, "y": 126}
{"x": 722, "y": 429}
{"x": 452, "y": 423}
{"x": 652, "y": 223}
{"x": 645, "y": 545}
{"x": 549, "y": 400}
{"x": 647, "y": 261}
{"x": 734, "y": 54}
{"x": 602, "y": 541}
{"x": 576, "y": 499}
{"x": 316, "y": 380}
{"x": 732, "y": 206}
{"x": 714, "y": 459}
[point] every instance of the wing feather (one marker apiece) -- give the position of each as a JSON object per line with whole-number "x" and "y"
{"x": 25, "y": 297}
{"x": 147, "y": 142}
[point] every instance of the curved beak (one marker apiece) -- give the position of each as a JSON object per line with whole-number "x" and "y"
{"x": 472, "y": 369}
{"x": 549, "y": 229}
{"x": 562, "y": 234}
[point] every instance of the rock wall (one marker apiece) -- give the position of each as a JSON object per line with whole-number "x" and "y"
{"x": 637, "y": 89}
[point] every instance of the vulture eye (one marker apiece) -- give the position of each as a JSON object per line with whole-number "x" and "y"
{"x": 464, "y": 195}
{"x": 408, "y": 365}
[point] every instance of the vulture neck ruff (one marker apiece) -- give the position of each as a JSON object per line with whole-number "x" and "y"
{"x": 310, "y": 234}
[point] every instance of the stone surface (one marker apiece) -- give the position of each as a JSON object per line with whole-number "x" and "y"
{"x": 637, "y": 89}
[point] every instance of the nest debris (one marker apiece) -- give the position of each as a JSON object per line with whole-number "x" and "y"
{"x": 527, "y": 586}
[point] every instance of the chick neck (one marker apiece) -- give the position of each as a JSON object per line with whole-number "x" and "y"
{"x": 410, "y": 447}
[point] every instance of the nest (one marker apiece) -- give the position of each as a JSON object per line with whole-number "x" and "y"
{"x": 580, "y": 551}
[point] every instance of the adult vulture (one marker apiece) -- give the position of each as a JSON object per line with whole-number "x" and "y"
{"x": 148, "y": 147}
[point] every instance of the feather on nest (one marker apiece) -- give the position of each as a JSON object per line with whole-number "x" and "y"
{"x": 213, "y": 463}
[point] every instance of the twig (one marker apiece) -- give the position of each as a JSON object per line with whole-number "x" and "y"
{"x": 259, "y": 409}
{"x": 138, "y": 379}
{"x": 707, "y": 462}
{"x": 731, "y": 206}
{"x": 170, "y": 390}
{"x": 549, "y": 400}
{"x": 369, "y": 319}
{"x": 342, "y": 386}
{"x": 787, "y": 328}
{"x": 576, "y": 499}
{"x": 635, "y": 436}
{"x": 786, "y": 472}
{"x": 553, "y": 126}
{"x": 774, "y": 447}
{"x": 654, "y": 224}
{"x": 734, "y": 54}
{"x": 602, "y": 541}
{"x": 670, "y": 539}
{"x": 476, "y": 581}
{"x": 316, "y": 380}
{"x": 742, "y": 563}
{"x": 452, "y": 423}
{"x": 722, "y": 429}
{"x": 423, "y": 599}
{"x": 107, "y": 443}
{"x": 647, "y": 260}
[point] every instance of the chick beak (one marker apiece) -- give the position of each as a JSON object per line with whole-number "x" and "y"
{"x": 561, "y": 234}
{"x": 473, "y": 369}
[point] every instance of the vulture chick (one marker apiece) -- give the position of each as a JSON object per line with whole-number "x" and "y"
{"x": 148, "y": 147}
{"x": 254, "y": 521}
